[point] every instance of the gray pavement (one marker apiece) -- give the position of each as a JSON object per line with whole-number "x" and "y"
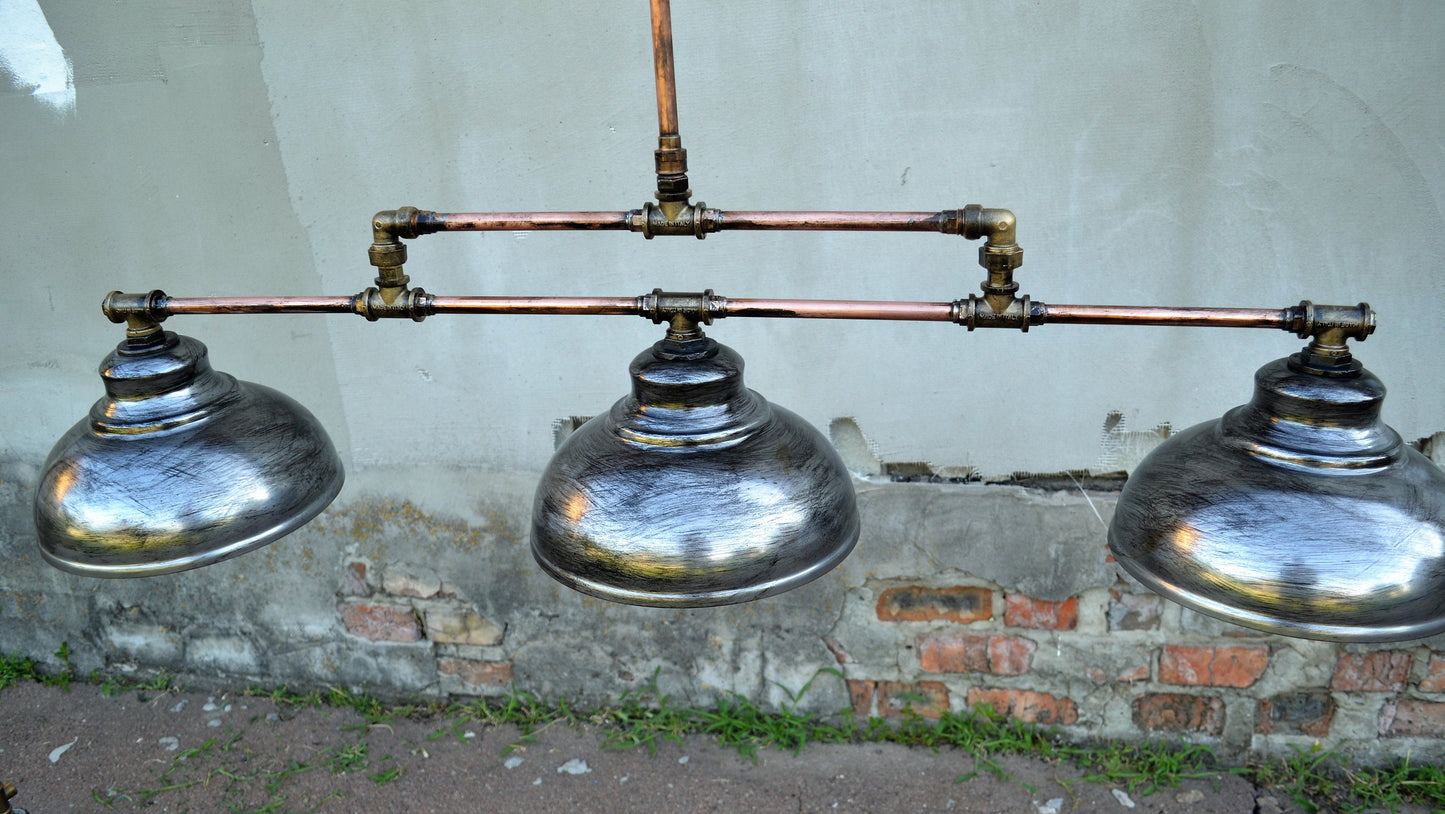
{"x": 78, "y": 750}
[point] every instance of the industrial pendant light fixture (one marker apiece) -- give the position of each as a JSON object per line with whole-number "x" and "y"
{"x": 1299, "y": 513}
{"x": 179, "y": 466}
{"x": 693, "y": 490}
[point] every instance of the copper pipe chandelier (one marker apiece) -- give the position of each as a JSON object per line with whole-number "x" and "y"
{"x": 1299, "y": 513}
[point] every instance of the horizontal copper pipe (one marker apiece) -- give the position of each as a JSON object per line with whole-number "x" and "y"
{"x": 724, "y": 220}
{"x": 520, "y": 221}
{"x": 535, "y": 305}
{"x": 767, "y": 308}
{"x": 1159, "y": 315}
{"x": 172, "y": 306}
{"x": 840, "y": 309}
{"x": 832, "y": 221}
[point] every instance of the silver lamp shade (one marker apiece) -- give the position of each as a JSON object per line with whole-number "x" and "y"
{"x": 1300, "y": 513}
{"x": 693, "y": 491}
{"x": 179, "y": 466}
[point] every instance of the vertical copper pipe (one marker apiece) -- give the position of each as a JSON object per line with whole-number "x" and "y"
{"x": 662, "y": 65}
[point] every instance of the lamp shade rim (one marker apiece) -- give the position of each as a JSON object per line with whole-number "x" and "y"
{"x": 1267, "y": 623}
{"x": 694, "y": 599}
{"x": 170, "y": 565}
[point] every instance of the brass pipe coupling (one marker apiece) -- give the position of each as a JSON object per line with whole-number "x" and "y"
{"x": 674, "y": 218}
{"x": 408, "y": 303}
{"x": 1328, "y": 327}
{"x": 979, "y": 312}
{"x": 141, "y": 313}
{"x": 666, "y": 306}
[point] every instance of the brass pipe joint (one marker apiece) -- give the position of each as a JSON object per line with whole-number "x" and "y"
{"x": 997, "y": 226}
{"x": 388, "y": 253}
{"x": 999, "y": 255}
{"x": 665, "y": 306}
{"x": 670, "y": 159}
{"x": 980, "y": 312}
{"x": 674, "y": 218}
{"x": 411, "y": 303}
{"x": 1328, "y": 327}
{"x": 142, "y": 313}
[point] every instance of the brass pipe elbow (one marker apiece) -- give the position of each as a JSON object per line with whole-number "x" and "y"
{"x": 997, "y": 226}
{"x": 391, "y": 224}
{"x": 142, "y": 313}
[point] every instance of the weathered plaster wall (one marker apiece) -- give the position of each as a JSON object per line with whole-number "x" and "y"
{"x": 1215, "y": 154}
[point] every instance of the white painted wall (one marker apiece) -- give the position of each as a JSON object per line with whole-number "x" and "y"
{"x": 1233, "y": 154}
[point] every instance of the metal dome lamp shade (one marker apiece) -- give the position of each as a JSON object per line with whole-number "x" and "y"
{"x": 693, "y": 491}
{"x": 179, "y": 466}
{"x": 1299, "y": 513}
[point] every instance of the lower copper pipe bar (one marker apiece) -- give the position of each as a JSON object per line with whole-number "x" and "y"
{"x": 1158, "y": 315}
{"x": 796, "y": 309}
{"x": 832, "y": 221}
{"x": 519, "y": 221}
{"x": 172, "y": 306}
{"x": 839, "y": 309}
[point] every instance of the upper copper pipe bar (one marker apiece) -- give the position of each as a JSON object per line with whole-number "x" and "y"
{"x": 535, "y": 305}
{"x": 833, "y": 221}
{"x": 738, "y": 219}
{"x": 1158, "y": 315}
{"x": 839, "y": 309}
{"x": 663, "y": 67}
{"x": 519, "y": 221}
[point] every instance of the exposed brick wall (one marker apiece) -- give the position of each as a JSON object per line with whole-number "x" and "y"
{"x": 1115, "y": 657}
{"x": 408, "y": 608}
{"x": 1129, "y": 663}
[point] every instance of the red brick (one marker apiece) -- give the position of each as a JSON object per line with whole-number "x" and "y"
{"x": 381, "y": 623}
{"x": 1025, "y": 611}
{"x": 1413, "y": 718}
{"x": 1229, "y": 666}
{"x": 1305, "y": 713}
{"x": 477, "y": 674}
{"x": 353, "y": 580}
{"x": 1139, "y": 672}
{"x": 836, "y": 648}
{"x": 928, "y": 699}
{"x": 1010, "y": 655}
{"x": 1434, "y": 680}
{"x": 861, "y": 694}
{"x": 1026, "y": 705}
{"x": 916, "y": 603}
{"x": 1378, "y": 671}
{"x": 1179, "y": 713}
{"x": 1135, "y": 611}
{"x": 951, "y": 653}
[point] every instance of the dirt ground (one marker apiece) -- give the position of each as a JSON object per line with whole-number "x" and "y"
{"x": 78, "y": 750}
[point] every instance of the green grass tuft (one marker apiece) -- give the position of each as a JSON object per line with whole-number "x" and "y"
{"x": 1314, "y": 778}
